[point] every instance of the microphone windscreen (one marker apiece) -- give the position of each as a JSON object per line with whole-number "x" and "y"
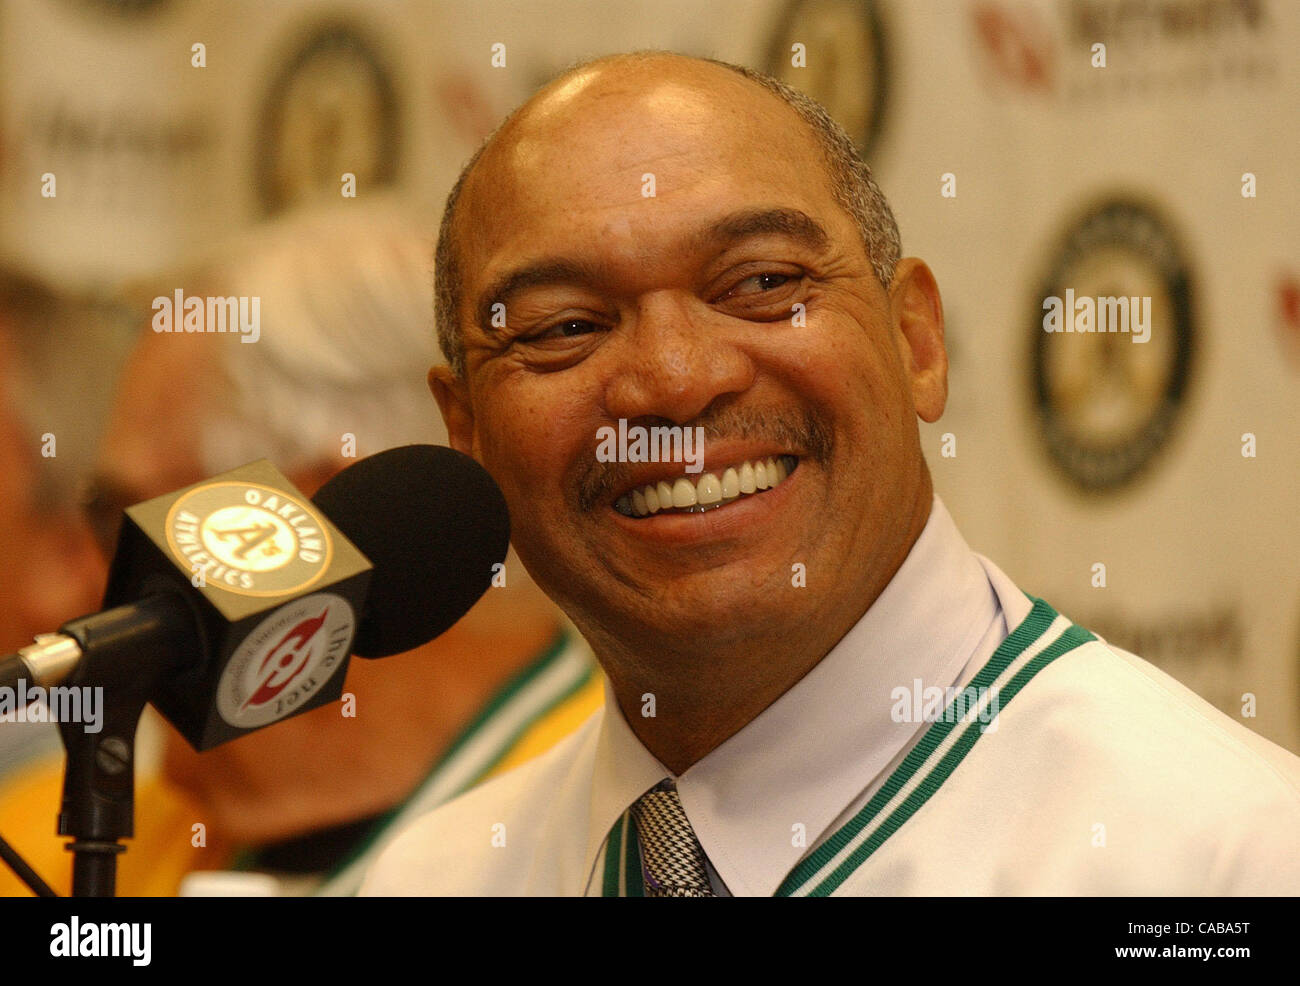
{"x": 433, "y": 523}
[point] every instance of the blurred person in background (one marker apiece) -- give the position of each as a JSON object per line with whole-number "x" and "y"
{"x": 53, "y": 396}
{"x": 301, "y": 807}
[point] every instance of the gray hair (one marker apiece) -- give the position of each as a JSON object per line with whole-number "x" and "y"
{"x": 344, "y": 342}
{"x": 851, "y": 182}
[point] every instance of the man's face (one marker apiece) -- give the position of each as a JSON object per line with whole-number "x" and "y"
{"x": 738, "y": 298}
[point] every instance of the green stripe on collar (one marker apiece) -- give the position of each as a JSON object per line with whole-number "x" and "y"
{"x": 621, "y": 868}
{"x": 634, "y": 882}
{"x": 933, "y": 759}
{"x": 613, "y": 859}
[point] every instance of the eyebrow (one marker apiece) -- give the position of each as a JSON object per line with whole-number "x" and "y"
{"x": 555, "y": 271}
{"x": 791, "y": 223}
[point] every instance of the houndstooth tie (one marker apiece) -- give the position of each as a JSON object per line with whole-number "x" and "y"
{"x": 672, "y": 861}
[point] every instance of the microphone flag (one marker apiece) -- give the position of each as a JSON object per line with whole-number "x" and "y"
{"x": 276, "y": 589}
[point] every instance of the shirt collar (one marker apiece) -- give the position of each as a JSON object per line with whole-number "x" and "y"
{"x": 764, "y": 797}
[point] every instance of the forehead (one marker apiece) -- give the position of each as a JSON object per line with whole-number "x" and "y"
{"x": 635, "y": 162}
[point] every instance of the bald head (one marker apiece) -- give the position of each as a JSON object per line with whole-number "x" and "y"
{"x": 628, "y": 110}
{"x": 615, "y": 105}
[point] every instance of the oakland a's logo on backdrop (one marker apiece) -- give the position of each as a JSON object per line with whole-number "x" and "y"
{"x": 331, "y": 110}
{"x": 248, "y": 538}
{"x": 1113, "y": 334}
{"x": 834, "y": 51}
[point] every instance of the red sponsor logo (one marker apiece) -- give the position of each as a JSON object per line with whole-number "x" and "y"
{"x": 1018, "y": 44}
{"x": 466, "y": 105}
{"x": 286, "y": 660}
{"x": 1288, "y": 314}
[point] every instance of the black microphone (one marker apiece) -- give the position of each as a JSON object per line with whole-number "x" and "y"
{"x": 440, "y": 537}
{"x": 238, "y": 601}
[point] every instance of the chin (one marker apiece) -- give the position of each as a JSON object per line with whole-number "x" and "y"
{"x": 719, "y": 619}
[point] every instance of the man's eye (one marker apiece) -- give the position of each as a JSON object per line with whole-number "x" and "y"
{"x": 767, "y": 281}
{"x": 564, "y": 330}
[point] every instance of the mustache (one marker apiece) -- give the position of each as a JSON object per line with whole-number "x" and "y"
{"x": 803, "y": 432}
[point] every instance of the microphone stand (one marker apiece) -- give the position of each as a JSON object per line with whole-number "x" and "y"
{"x": 99, "y": 794}
{"x": 125, "y": 657}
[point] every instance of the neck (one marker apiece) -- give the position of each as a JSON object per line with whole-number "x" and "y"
{"x": 699, "y": 704}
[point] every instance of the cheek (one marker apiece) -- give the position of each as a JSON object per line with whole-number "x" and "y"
{"x": 848, "y": 379}
{"x": 510, "y": 451}
{"x": 527, "y": 446}
{"x": 868, "y": 368}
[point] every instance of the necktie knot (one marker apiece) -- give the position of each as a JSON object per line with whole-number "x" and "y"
{"x": 672, "y": 860}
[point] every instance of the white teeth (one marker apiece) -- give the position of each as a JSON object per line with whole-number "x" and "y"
{"x": 708, "y": 492}
{"x": 684, "y": 493}
{"x": 730, "y": 485}
{"x": 747, "y": 479}
{"x": 709, "y": 489}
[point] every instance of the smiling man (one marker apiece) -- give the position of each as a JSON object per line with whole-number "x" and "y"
{"x": 660, "y": 241}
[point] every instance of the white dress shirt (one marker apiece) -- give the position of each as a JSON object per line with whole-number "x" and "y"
{"x": 833, "y": 761}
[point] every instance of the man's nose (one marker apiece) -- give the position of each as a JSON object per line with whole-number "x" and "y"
{"x": 677, "y": 360}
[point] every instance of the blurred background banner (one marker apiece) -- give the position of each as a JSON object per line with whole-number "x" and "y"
{"x": 1032, "y": 150}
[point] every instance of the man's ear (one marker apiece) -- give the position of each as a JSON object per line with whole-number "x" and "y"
{"x": 918, "y": 314}
{"x": 452, "y": 396}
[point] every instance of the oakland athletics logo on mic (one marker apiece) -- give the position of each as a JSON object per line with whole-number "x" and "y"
{"x": 275, "y": 588}
{"x": 248, "y": 538}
